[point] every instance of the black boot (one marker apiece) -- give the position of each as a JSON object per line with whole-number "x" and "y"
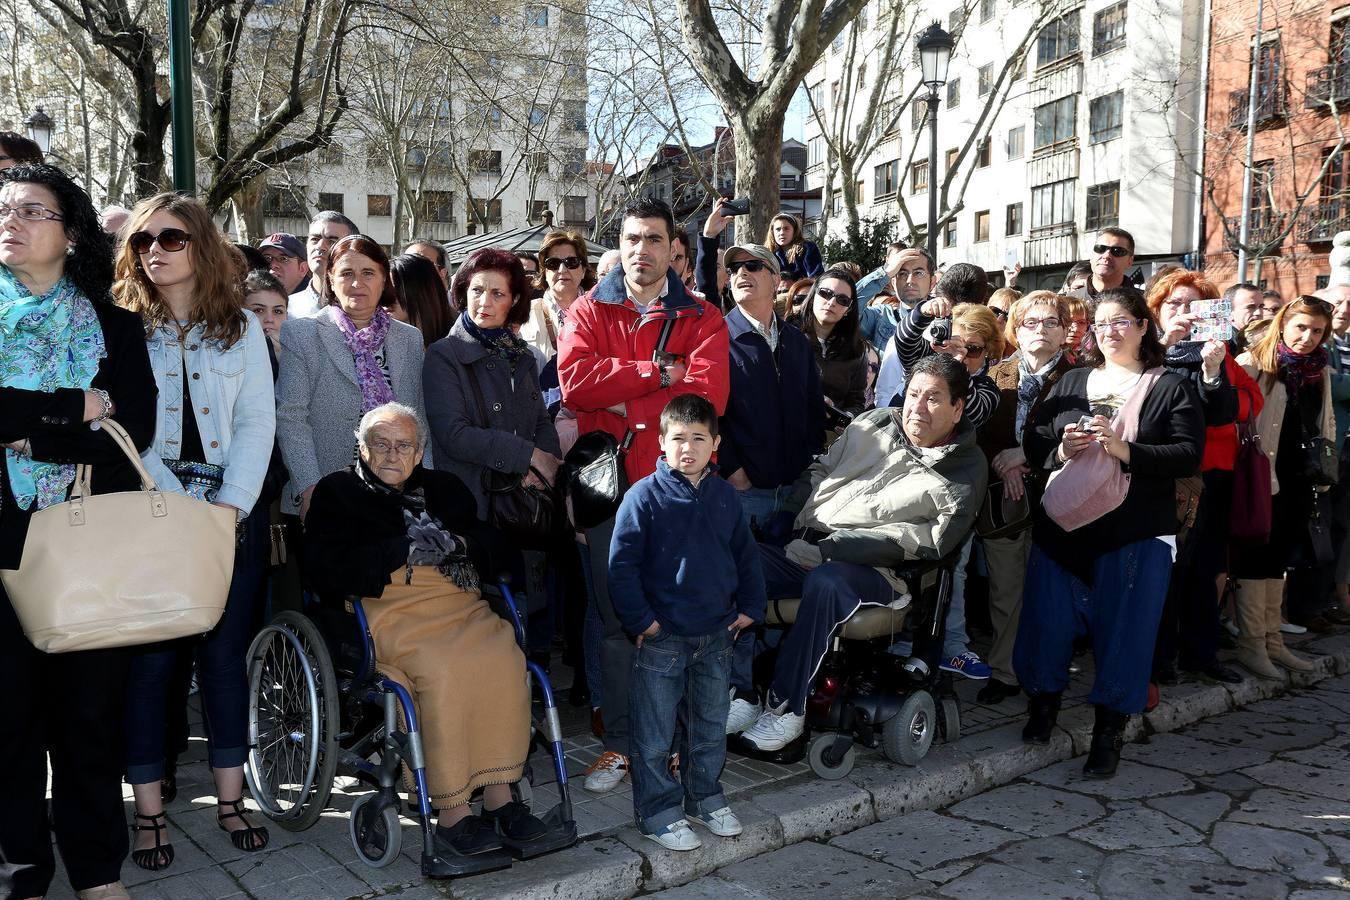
{"x": 1042, "y": 710}
{"x": 1108, "y": 736}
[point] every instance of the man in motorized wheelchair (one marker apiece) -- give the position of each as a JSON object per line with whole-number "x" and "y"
{"x": 901, "y": 484}
{"x": 407, "y": 540}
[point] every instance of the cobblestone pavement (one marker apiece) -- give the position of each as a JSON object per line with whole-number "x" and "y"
{"x": 1251, "y": 804}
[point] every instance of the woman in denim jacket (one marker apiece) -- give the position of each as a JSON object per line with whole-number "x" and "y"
{"x": 213, "y": 439}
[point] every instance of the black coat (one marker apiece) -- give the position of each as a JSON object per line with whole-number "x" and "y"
{"x": 54, "y": 422}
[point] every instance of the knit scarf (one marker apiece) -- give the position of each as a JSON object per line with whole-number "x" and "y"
{"x": 1298, "y": 370}
{"x": 1029, "y": 389}
{"x": 501, "y": 342}
{"x": 456, "y": 567}
{"x": 363, "y": 343}
{"x": 46, "y": 343}
{"x": 1184, "y": 354}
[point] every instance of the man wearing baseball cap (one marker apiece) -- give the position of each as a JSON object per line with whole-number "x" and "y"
{"x": 775, "y": 419}
{"x": 286, "y": 260}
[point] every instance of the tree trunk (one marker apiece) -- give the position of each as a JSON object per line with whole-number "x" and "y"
{"x": 758, "y": 138}
{"x": 248, "y": 211}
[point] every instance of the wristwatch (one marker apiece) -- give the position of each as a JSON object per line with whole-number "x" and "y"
{"x": 665, "y": 377}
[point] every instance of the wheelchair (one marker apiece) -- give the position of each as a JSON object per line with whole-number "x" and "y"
{"x": 318, "y": 705}
{"x": 864, "y": 694}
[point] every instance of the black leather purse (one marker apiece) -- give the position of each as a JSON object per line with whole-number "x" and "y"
{"x": 1321, "y": 461}
{"x": 1000, "y": 517}
{"x": 596, "y": 481}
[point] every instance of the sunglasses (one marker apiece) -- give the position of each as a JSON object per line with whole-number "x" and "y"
{"x": 1000, "y": 313}
{"x": 554, "y": 263}
{"x": 965, "y": 351}
{"x": 170, "y": 240}
{"x": 749, "y": 265}
{"x": 835, "y": 296}
{"x": 1117, "y": 252}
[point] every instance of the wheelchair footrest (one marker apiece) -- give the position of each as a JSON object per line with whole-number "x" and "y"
{"x": 791, "y": 753}
{"x": 449, "y": 864}
{"x": 556, "y": 838}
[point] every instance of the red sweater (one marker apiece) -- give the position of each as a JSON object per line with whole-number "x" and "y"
{"x": 1221, "y": 442}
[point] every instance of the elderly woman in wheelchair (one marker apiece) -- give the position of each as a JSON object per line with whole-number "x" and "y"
{"x": 407, "y": 541}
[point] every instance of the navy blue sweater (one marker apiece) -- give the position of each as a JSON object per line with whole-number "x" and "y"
{"x": 775, "y": 419}
{"x": 683, "y": 556}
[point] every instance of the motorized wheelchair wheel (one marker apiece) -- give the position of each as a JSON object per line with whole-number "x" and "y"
{"x": 375, "y": 831}
{"x": 906, "y": 737}
{"x": 823, "y": 762}
{"x": 951, "y": 720}
{"x": 293, "y": 717}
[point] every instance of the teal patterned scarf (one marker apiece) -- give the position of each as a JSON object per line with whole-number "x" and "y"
{"x": 46, "y": 343}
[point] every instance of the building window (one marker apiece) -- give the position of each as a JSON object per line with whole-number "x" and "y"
{"x": 918, "y": 176}
{"x": 956, "y": 22}
{"x": 1052, "y": 206}
{"x": 573, "y": 160}
{"x": 918, "y": 112}
{"x": 379, "y": 205}
{"x": 1108, "y": 29}
{"x": 986, "y": 79}
{"x": 818, "y": 97}
{"x": 438, "y": 206}
{"x": 815, "y": 151}
{"x": 574, "y": 210}
{"x": 485, "y": 161}
{"x": 1058, "y": 40}
{"x": 1017, "y": 139}
{"x": 982, "y": 226}
{"x": 986, "y": 11}
{"x": 537, "y": 210}
{"x": 1269, "y": 80}
{"x": 1103, "y": 205}
{"x": 1335, "y": 184}
{"x": 538, "y": 116}
{"x": 954, "y": 93}
{"x": 1105, "y": 115}
{"x": 335, "y": 202}
{"x": 949, "y": 234}
{"x": 1055, "y": 122}
{"x": 950, "y": 162}
{"x": 536, "y": 16}
{"x": 489, "y": 210}
{"x": 282, "y": 201}
{"x": 574, "y": 114}
{"x": 837, "y": 45}
{"x": 1012, "y": 219}
{"x": 861, "y": 80}
{"x": 1321, "y": 281}
{"x": 885, "y": 179}
{"x": 537, "y": 161}
{"x": 787, "y": 183}
{"x": 983, "y": 154}
{"x": 330, "y": 155}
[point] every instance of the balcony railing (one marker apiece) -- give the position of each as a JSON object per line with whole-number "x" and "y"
{"x": 1319, "y": 224}
{"x": 1271, "y": 104}
{"x": 1266, "y": 227}
{"x": 1326, "y": 86}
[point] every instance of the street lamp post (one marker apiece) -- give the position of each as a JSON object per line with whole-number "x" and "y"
{"x": 40, "y": 126}
{"x": 935, "y": 54}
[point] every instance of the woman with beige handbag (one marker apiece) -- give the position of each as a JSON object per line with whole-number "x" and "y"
{"x": 68, "y": 358}
{"x": 213, "y": 441}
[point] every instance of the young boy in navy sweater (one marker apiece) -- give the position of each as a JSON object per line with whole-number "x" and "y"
{"x": 685, "y": 578}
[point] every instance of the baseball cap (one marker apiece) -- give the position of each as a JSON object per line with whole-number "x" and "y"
{"x": 286, "y": 243}
{"x": 756, "y": 251}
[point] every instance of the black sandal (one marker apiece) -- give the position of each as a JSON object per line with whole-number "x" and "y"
{"x": 251, "y": 838}
{"x": 160, "y": 856}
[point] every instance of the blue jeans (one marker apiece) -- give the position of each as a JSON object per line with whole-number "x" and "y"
{"x": 221, "y": 676}
{"x": 592, "y": 634}
{"x": 1121, "y": 610}
{"x": 758, "y": 507}
{"x": 685, "y": 677}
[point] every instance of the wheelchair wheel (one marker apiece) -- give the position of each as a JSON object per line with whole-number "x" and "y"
{"x": 293, "y": 717}
{"x": 822, "y": 762}
{"x": 375, "y": 831}
{"x": 907, "y": 737}
{"x": 951, "y": 720}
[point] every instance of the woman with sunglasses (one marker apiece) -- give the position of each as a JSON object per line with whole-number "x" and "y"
{"x": 68, "y": 357}
{"x": 565, "y": 273}
{"x": 1291, "y": 365}
{"x": 1107, "y": 578}
{"x": 213, "y": 440}
{"x": 831, "y": 324}
{"x": 1000, "y": 304}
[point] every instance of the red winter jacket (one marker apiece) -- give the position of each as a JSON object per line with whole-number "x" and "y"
{"x": 1221, "y": 443}
{"x": 605, "y": 358}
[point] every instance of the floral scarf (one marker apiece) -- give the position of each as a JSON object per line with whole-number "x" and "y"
{"x": 1298, "y": 370}
{"x": 500, "y": 342}
{"x": 1029, "y": 388}
{"x": 46, "y": 343}
{"x": 363, "y": 343}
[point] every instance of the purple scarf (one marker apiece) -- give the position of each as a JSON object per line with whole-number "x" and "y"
{"x": 1298, "y": 370}
{"x": 375, "y": 390}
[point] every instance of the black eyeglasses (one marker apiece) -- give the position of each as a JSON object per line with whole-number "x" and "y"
{"x": 1001, "y": 313}
{"x": 554, "y": 263}
{"x": 1117, "y": 252}
{"x": 835, "y": 296}
{"x": 170, "y": 240}
{"x": 749, "y": 265}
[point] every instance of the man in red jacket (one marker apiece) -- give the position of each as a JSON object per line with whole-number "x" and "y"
{"x": 614, "y": 379}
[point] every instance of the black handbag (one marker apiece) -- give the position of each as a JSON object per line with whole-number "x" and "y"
{"x": 524, "y": 512}
{"x": 1000, "y": 517}
{"x": 596, "y": 480}
{"x": 1321, "y": 461}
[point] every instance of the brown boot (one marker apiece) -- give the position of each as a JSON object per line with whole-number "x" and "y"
{"x": 1249, "y": 609}
{"x": 1276, "y": 651}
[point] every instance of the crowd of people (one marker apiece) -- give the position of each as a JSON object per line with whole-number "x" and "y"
{"x": 789, "y": 427}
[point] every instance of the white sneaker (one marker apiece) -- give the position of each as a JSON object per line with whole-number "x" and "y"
{"x": 606, "y": 772}
{"x": 721, "y": 822}
{"x": 775, "y": 729}
{"x": 741, "y": 714}
{"x": 676, "y": 836}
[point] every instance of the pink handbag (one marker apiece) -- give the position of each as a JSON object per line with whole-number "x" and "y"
{"x": 1093, "y": 484}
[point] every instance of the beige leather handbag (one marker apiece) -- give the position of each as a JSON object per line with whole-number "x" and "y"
{"x": 113, "y": 570}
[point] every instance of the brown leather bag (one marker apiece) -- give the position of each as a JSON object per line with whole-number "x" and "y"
{"x": 115, "y": 570}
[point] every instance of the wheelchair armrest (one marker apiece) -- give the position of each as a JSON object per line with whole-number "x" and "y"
{"x": 921, "y": 573}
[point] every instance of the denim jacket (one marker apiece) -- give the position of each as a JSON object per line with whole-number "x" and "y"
{"x": 232, "y": 402}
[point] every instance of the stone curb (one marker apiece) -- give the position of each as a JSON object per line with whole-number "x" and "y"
{"x": 621, "y": 862}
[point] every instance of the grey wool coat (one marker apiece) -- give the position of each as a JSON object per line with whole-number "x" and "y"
{"x": 319, "y": 402}
{"x": 517, "y": 420}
